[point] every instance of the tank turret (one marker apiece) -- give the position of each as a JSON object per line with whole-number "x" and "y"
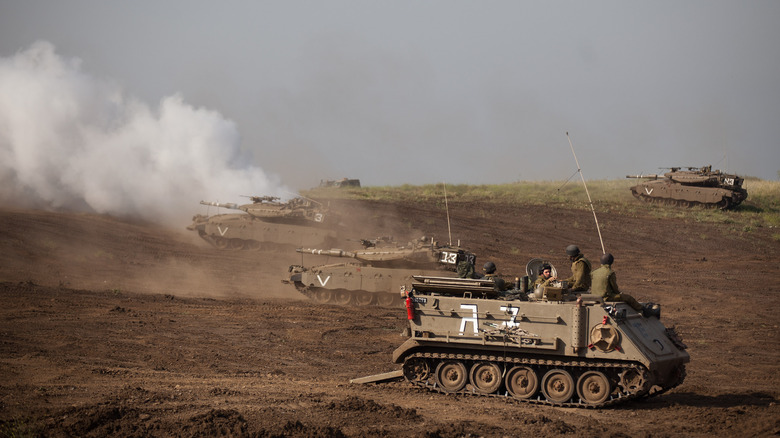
{"x": 295, "y": 211}
{"x": 266, "y": 222}
{"x": 373, "y": 274}
{"x": 557, "y": 349}
{"x": 690, "y": 187}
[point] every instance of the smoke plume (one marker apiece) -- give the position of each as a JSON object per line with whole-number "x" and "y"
{"x": 70, "y": 141}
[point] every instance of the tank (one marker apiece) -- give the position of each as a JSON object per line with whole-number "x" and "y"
{"x": 267, "y": 223}
{"x": 694, "y": 186}
{"x": 548, "y": 347}
{"x": 375, "y": 272}
{"x": 343, "y": 182}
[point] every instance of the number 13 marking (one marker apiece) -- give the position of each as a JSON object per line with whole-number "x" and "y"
{"x": 449, "y": 257}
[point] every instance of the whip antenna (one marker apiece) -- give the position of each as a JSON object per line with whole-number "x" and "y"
{"x": 447, "y": 207}
{"x": 603, "y": 251}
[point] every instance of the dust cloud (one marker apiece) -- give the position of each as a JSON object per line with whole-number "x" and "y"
{"x": 70, "y": 141}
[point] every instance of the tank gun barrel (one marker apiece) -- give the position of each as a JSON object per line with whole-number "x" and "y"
{"x": 648, "y": 176}
{"x": 326, "y": 252}
{"x": 230, "y": 205}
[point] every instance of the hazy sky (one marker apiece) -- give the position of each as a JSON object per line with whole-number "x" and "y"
{"x": 396, "y": 92}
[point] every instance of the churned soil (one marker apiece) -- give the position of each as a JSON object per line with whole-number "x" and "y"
{"x": 111, "y": 326}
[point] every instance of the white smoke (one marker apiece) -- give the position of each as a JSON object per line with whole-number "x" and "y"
{"x": 70, "y": 141}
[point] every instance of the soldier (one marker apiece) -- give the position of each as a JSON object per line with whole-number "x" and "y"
{"x": 545, "y": 276}
{"x": 605, "y": 284}
{"x": 580, "y": 270}
{"x": 490, "y": 274}
{"x": 465, "y": 268}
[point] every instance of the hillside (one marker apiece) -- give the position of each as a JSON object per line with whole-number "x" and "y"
{"x": 126, "y": 328}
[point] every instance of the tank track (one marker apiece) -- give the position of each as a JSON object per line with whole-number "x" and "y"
{"x": 724, "y": 204}
{"x": 236, "y": 244}
{"x": 619, "y": 395}
{"x": 346, "y": 297}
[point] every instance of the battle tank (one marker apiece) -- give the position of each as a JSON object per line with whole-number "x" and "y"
{"x": 377, "y": 270}
{"x": 266, "y": 222}
{"x": 694, "y": 186}
{"x": 546, "y": 347}
{"x": 341, "y": 183}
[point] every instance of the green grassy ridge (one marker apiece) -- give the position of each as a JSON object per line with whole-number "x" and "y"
{"x": 761, "y": 209}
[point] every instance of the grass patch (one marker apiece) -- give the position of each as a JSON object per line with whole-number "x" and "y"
{"x": 761, "y": 209}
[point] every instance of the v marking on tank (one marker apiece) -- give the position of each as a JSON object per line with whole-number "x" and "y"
{"x": 222, "y": 233}
{"x": 648, "y": 191}
{"x": 323, "y": 283}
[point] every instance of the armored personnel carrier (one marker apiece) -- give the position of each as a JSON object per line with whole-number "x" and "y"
{"x": 376, "y": 271}
{"x": 545, "y": 347}
{"x": 694, "y": 186}
{"x": 266, "y": 222}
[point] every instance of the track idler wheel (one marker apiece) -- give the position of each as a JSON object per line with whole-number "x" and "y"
{"x": 451, "y": 375}
{"x": 522, "y": 382}
{"x": 416, "y": 369}
{"x": 558, "y": 386}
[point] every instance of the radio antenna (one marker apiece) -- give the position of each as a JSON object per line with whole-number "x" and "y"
{"x": 447, "y": 207}
{"x": 603, "y": 251}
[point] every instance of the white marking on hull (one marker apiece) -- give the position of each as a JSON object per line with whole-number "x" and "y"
{"x": 474, "y": 320}
{"x": 513, "y": 310}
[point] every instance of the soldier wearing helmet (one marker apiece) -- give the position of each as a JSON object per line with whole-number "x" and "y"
{"x": 490, "y": 274}
{"x": 580, "y": 270}
{"x": 605, "y": 284}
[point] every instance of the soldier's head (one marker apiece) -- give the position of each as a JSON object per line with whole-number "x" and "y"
{"x": 545, "y": 270}
{"x": 489, "y": 268}
{"x": 572, "y": 251}
{"x": 607, "y": 259}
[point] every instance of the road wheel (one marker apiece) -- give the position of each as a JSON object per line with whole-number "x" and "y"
{"x": 522, "y": 382}
{"x": 323, "y": 295}
{"x": 343, "y": 297}
{"x": 236, "y": 244}
{"x": 558, "y": 386}
{"x": 385, "y": 300}
{"x": 451, "y": 376}
{"x": 363, "y": 298}
{"x": 593, "y": 387}
{"x": 486, "y": 377}
{"x": 221, "y": 242}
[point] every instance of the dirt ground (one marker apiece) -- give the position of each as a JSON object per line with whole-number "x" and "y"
{"x": 117, "y": 327}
